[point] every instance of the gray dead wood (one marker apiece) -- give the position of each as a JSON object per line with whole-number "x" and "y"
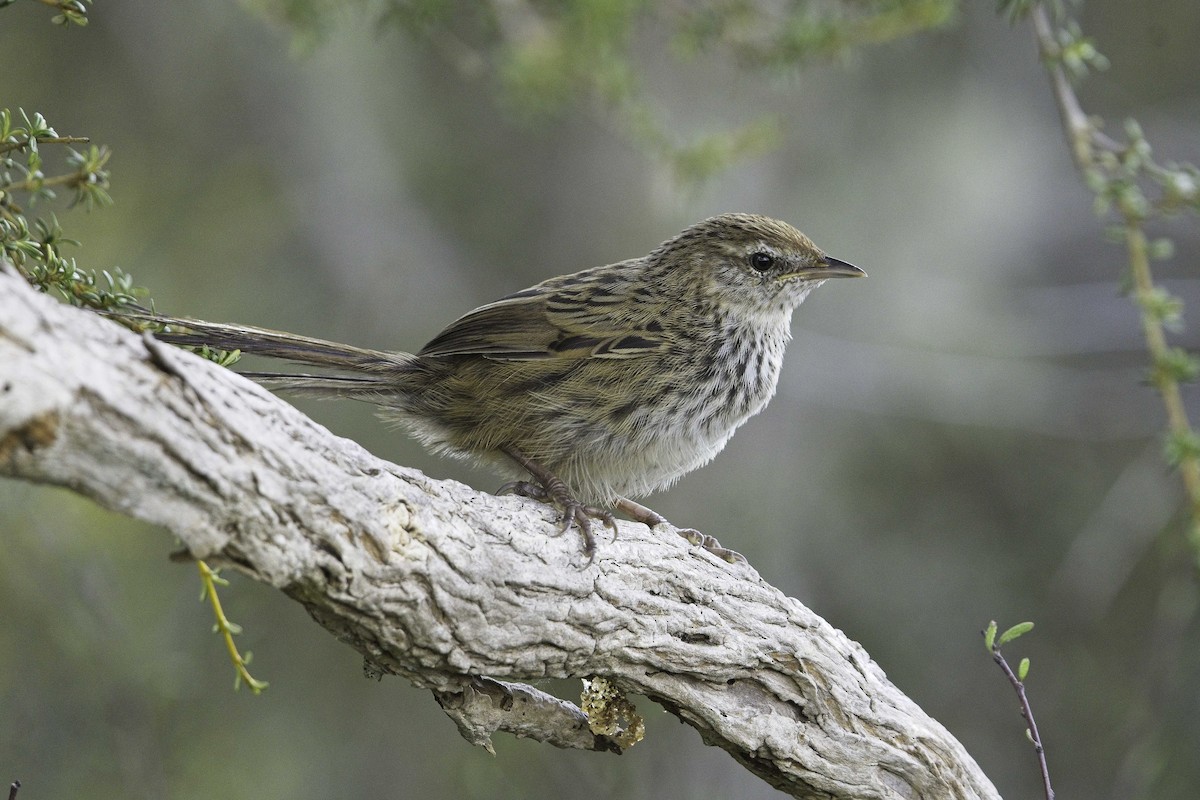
{"x": 463, "y": 593}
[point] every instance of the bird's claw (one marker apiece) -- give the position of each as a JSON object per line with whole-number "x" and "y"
{"x": 573, "y": 511}
{"x": 653, "y": 519}
{"x": 580, "y": 515}
{"x": 710, "y": 543}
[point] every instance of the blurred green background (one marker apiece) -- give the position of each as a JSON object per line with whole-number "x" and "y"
{"x": 965, "y": 435}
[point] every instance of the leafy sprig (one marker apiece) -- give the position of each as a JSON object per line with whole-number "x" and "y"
{"x": 209, "y": 580}
{"x": 548, "y": 57}
{"x": 36, "y": 248}
{"x": 1017, "y": 679}
{"x": 70, "y": 12}
{"x": 1133, "y": 188}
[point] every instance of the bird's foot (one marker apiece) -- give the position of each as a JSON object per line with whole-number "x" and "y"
{"x": 550, "y": 489}
{"x": 652, "y": 518}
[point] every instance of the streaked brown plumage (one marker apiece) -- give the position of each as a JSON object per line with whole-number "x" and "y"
{"x": 617, "y": 379}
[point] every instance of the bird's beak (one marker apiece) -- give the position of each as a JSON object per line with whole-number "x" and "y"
{"x": 833, "y": 268}
{"x": 829, "y": 267}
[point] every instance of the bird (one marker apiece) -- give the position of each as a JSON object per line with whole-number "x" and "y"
{"x": 601, "y": 385}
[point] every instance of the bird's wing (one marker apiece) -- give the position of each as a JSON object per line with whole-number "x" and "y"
{"x": 585, "y": 315}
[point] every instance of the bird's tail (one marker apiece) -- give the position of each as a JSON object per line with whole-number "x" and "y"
{"x": 365, "y": 373}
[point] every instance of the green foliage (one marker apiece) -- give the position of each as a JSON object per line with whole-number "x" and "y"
{"x": 36, "y": 248}
{"x": 1161, "y": 306}
{"x": 1181, "y": 446}
{"x": 1018, "y": 630}
{"x": 989, "y": 636}
{"x": 1128, "y": 183}
{"x": 785, "y": 36}
{"x": 1126, "y": 179}
{"x": 1016, "y": 679}
{"x": 209, "y": 580}
{"x": 1174, "y": 365}
{"x": 550, "y": 57}
{"x": 1078, "y": 53}
{"x": 992, "y": 643}
{"x": 70, "y": 12}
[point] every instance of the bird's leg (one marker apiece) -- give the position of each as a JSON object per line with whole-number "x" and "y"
{"x": 550, "y": 488}
{"x": 648, "y": 516}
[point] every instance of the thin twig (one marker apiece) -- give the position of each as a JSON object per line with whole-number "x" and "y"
{"x": 1027, "y": 713}
{"x": 1082, "y": 135}
{"x": 1168, "y": 386}
{"x": 7, "y": 146}
{"x": 227, "y": 629}
{"x": 32, "y": 184}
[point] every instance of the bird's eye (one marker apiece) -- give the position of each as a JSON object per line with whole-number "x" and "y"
{"x": 762, "y": 261}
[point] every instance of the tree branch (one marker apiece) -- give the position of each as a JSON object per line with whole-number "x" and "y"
{"x": 443, "y": 585}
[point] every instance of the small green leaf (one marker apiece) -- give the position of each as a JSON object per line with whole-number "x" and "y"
{"x": 1160, "y": 249}
{"x": 1023, "y": 670}
{"x": 1020, "y": 629}
{"x": 1181, "y": 188}
{"x": 1131, "y": 202}
{"x": 1162, "y": 306}
{"x": 989, "y": 636}
{"x": 1175, "y": 364}
{"x": 1133, "y": 129}
{"x": 1181, "y": 446}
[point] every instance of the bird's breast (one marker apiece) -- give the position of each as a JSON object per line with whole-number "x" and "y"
{"x": 714, "y": 390}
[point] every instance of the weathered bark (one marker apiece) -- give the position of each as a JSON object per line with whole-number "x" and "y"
{"x": 460, "y": 592}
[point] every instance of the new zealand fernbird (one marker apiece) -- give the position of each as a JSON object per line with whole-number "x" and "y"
{"x": 602, "y": 384}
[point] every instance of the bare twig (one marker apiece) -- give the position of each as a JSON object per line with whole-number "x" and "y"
{"x": 994, "y": 644}
{"x": 1027, "y": 713}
